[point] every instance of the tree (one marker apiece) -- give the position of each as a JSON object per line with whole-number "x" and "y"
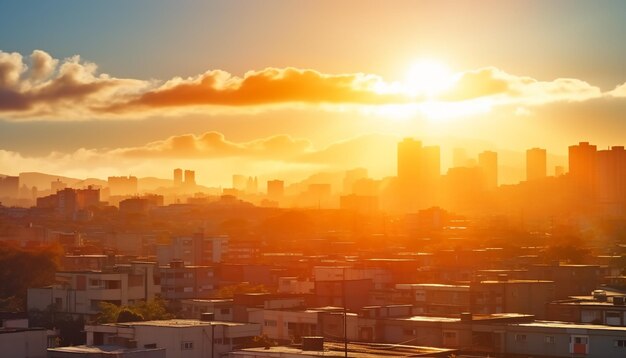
{"x": 142, "y": 311}
{"x": 22, "y": 268}
{"x": 153, "y": 310}
{"x": 128, "y": 315}
{"x": 240, "y": 288}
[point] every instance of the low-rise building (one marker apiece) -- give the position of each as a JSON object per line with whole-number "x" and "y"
{"x": 80, "y": 292}
{"x": 179, "y": 281}
{"x": 179, "y": 337}
{"x": 23, "y": 342}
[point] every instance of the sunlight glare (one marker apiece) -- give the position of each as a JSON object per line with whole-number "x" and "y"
{"x": 428, "y": 78}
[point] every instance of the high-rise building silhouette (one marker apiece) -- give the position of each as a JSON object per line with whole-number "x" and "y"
{"x": 536, "y": 165}
{"x": 190, "y": 178}
{"x": 488, "y": 163}
{"x": 275, "y": 189}
{"x": 418, "y": 164}
{"x": 419, "y": 170}
{"x": 610, "y": 180}
{"x": 582, "y": 167}
{"x": 178, "y": 177}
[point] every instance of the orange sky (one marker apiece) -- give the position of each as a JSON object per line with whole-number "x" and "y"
{"x": 295, "y": 90}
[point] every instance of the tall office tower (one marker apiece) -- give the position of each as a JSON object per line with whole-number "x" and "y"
{"x": 488, "y": 163}
{"x": 239, "y": 182}
{"x": 536, "y": 167}
{"x": 419, "y": 170}
{"x": 275, "y": 189}
{"x": 409, "y": 160}
{"x": 582, "y": 167}
{"x": 610, "y": 180}
{"x": 178, "y": 177}
{"x": 190, "y": 178}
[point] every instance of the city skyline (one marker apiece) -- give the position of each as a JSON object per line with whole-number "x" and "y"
{"x": 272, "y": 105}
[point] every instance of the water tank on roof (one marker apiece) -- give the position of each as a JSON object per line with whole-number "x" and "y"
{"x": 599, "y": 295}
{"x": 207, "y": 317}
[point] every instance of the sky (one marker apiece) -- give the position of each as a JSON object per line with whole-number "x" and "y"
{"x": 288, "y": 88}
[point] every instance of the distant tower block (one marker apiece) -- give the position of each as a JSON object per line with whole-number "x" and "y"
{"x": 57, "y": 185}
{"x": 178, "y": 177}
{"x": 488, "y": 163}
{"x": 190, "y": 177}
{"x": 275, "y": 189}
{"x": 536, "y": 167}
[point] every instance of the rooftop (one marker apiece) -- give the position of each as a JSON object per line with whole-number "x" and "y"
{"x": 332, "y": 349}
{"x": 569, "y": 325}
{"x": 105, "y": 350}
{"x": 177, "y": 323}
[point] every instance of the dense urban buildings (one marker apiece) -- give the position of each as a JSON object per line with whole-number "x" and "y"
{"x": 450, "y": 263}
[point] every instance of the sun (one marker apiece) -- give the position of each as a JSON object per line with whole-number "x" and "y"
{"x": 428, "y": 78}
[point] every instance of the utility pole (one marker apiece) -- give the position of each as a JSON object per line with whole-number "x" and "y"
{"x": 345, "y": 315}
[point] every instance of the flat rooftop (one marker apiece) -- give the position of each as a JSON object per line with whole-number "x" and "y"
{"x": 569, "y": 325}
{"x": 334, "y": 349}
{"x": 104, "y": 350}
{"x": 178, "y": 323}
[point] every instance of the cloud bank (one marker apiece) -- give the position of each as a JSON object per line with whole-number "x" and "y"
{"x": 40, "y": 87}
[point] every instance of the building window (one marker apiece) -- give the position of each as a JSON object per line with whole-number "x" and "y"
{"x": 58, "y": 303}
{"x": 270, "y": 323}
{"x": 579, "y": 344}
{"x": 520, "y": 338}
{"x": 225, "y": 311}
{"x": 621, "y": 343}
{"x": 186, "y": 345}
{"x": 549, "y": 339}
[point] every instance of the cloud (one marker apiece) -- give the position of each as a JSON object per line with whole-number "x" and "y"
{"x": 42, "y": 87}
{"x": 504, "y": 88}
{"x": 215, "y": 145}
{"x": 49, "y": 90}
{"x": 619, "y": 91}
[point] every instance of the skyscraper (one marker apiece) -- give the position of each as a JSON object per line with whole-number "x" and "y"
{"x": 190, "y": 178}
{"x": 418, "y": 164}
{"x": 610, "y": 180}
{"x": 419, "y": 170}
{"x": 409, "y": 159}
{"x": 536, "y": 166}
{"x": 488, "y": 163}
{"x": 275, "y": 189}
{"x": 582, "y": 167}
{"x": 178, "y": 177}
